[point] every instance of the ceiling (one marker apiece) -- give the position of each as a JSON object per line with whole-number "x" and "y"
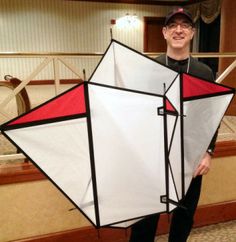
{"x": 153, "y": 2}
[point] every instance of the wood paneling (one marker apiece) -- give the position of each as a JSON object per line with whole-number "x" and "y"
{"x": 227, "y": 44}
{"x": 225, "y": 148}
{"x": 153, "y": 37}
{"x": 19, "y": 172}
{"x": 215, "y": 213}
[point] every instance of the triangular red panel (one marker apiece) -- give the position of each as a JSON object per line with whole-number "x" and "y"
{"x": 169, "y": 106}
{"x": 192, "y": 86}
{"x": 70, "y": 103}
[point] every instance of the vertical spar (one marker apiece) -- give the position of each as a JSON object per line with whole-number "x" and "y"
{"x": 165, "y": 199}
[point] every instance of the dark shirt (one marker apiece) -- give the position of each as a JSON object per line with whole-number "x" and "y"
{"x": 196, "y": 68}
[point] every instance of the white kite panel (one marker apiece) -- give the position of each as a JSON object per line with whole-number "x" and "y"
{"x": 173, "y": 93}
{"x": 128, "y": 143}
{"x": 198, "y": 132}
{"x": 175, "y": 157}
{"x": 123, "y": 67}
{"x": 174, "y": 143}
{"x": 67, "y": 164}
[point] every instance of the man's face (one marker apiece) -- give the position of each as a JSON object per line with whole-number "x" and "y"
{"x": 178, "y": 33}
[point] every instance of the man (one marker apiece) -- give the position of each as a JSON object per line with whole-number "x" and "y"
{"x": 178, "y": 32}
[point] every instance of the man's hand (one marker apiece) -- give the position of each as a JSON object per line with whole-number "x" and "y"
{"x": 204, "y": 166}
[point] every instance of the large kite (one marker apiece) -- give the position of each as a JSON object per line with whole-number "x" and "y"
{"x": 123, "y": 145}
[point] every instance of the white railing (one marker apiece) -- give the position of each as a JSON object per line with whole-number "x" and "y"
{"x": 56, "y": 58}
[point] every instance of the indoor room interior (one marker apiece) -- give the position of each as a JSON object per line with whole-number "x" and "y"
{"x": 49, "y": 46}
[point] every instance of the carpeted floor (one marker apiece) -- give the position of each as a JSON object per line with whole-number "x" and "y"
{"x": 222, "y": 232}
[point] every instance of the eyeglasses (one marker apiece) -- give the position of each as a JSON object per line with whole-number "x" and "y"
{"x": 185, "y": 26}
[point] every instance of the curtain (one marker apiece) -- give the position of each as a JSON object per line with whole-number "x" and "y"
{"x": 209, "y": 41}
{"x": 207, "y": 10}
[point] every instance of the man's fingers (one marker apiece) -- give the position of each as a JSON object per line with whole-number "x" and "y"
{"x": 204, "y": 166}
{"x": 201, "y": 170}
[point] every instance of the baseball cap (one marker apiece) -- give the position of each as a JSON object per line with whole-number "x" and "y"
{"x": 178, "y": 10}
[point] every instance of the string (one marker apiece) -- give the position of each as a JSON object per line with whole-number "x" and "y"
{"x": 167, "y": 63}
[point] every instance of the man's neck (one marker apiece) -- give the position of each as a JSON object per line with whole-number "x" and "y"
{"x": 178, "y": 54}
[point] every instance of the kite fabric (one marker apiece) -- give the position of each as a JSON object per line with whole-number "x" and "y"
{"x": 123, "y": 145}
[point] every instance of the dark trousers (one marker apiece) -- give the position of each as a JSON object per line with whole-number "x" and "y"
{"x": 181, "y": 222}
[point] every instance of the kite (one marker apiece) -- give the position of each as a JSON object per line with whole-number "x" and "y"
{"x": 124, "y": 144}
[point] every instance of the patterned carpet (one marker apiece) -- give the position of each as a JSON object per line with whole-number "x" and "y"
{"x": 222, "y": 232}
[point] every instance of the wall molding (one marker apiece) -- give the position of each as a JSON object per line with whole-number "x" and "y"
{"x": 19, "y": 172}
{"x": 205, "y": 215}
{"x": 225, "y": 148}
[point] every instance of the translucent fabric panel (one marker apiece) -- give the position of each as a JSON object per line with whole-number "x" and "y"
{"x": 175, "y": 157}
{"x": 202, "y": 119}
{"x": 173, "y": 93}
{"x": 129, "y": 153}
{"x": 174, "y": 143}
{"x": 70, "y": 103}
{"x": 193, "y": 86}
{"x": 124, "y": 67}
{"x": 61, "y": 150}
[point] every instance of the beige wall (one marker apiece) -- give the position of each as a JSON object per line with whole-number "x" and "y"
{"x": 220, "y": 183}
{"x": 35, "y": 208}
